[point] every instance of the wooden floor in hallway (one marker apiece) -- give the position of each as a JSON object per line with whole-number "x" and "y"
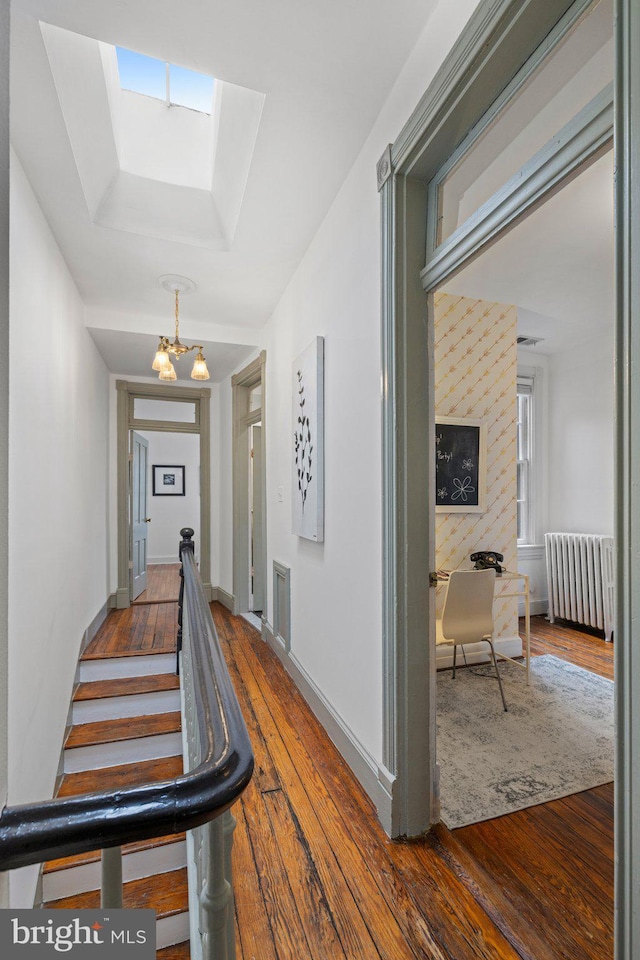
{"x": 163, "y": 584}
{"x": 316, "y": 877}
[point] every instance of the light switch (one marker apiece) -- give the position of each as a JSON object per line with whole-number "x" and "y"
{"x": 280, "y": 494}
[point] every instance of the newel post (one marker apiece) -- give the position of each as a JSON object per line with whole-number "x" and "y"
{"x": 186, "y": 543}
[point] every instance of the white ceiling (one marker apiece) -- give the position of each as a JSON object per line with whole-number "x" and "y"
{"x": 556, "y": 266}
{"x": 325, "y": 70}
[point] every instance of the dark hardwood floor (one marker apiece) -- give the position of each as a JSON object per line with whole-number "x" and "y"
{"x": 317, "y": 877}
{"x": 163, "y": 584}
{"x": 140, "y": 629}
{"x": 567, "y": 641}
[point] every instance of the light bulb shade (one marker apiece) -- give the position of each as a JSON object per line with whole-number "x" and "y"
{"x": 161, "y": 361}
{"x": 169, "y": 373}
{"x": 200, "y": 371}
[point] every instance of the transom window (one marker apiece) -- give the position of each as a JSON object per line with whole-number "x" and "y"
{"x": 177, "y": 86}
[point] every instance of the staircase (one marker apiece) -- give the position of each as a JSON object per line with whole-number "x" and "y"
{"x": 126, "y": 730}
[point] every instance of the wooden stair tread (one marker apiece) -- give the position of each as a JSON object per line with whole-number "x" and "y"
{"x": 166, "y": 893}
{"x": 125, "y": 686}
{"x": 124, "y": 775}
{"x": 116, "y": 654}
{"x": 179, "y": 951}
{"x": 64, "y": 863}
{"x": 123, "y": 728}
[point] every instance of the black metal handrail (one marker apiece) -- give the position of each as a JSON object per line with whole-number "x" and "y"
{"x": 35, "y": 832}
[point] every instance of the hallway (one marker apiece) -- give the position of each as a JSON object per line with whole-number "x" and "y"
{"x": 316, "y": 877}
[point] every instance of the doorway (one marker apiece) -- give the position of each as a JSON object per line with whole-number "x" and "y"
{"x": 170, "y": 490}
{"x": 151, "y": 409}
{"x": 257, "y": 482}
{"x": 249, "y": 490}
{"x": 497, "y": 41}
{"x": 425, "y": 163}
{"x": 139, "y": 519}
{"x": 543, "y": 474}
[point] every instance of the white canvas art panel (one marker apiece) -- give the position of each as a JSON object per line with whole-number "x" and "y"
{"x": 308, "y": 443}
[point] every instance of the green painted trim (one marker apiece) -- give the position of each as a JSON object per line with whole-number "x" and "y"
{"x": 500, "y": 36}
{"x": 390, "y": 644}
{"x": 241, "y": 384}
{"x": 163, "y": 426}
{"x": 165, "y": 391}
{"x": 204, "y": 417}
{"x": 222, "y": 596}
{"x": 627, "y": 529}
{"x": 201, "y": 396}
{"x": 556, "y": 36}
{"x": 122, "y": 598}
{"x": 280, "y": 572}
{"x": 123, "y": 591}
{"x": 584, "y": 139}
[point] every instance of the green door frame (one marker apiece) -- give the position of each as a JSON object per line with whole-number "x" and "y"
{"x": 127, "y": 393}
{"x": 500, "y": 36}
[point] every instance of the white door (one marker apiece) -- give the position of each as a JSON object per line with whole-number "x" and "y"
{"x": 257, "y": 532}
{"x": 139, "y": 518}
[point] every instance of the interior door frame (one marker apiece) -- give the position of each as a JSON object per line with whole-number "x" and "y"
{"x": 257, "y": 564}
{"x": 242, "y": 383}
{"x": 133, "y": 437}
{"x": 499, "y": 38}
{"x": 127, "y": 393}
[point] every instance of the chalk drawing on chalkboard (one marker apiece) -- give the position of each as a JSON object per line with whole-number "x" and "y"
{"x": 461, "y": 468}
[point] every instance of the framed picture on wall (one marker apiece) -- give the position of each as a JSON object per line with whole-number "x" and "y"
{"x": 308, "y": 443}
{"x": 461, "y": 465}
{"x": 167, "y": 481}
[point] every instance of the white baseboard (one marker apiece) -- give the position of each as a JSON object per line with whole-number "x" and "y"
{"x": 95, "y": 624}
{"x": 375, "y": 779}
{"x": 226, "y": 599}
{"x": 170, "y": 558}
{"x": 537, "y": 607}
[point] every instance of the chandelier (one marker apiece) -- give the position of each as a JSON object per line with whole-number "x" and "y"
{"x": 168, "y": 349}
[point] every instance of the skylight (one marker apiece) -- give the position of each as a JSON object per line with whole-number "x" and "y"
{"x": 177, "y": 86}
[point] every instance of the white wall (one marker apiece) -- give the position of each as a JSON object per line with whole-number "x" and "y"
{"x": 4, "y": 407}
{"x": 336, "y": 632}
{"x": 574, "y": 405}
{"x": 58, "y": 429}
{"x": 581, "y": 437}
{"x": 170, "y": 514}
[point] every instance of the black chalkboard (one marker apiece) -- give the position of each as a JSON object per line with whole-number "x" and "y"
{"x": 459, "y": 465}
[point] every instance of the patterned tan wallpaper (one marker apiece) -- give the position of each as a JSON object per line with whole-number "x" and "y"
{"x": 476, "y": 367}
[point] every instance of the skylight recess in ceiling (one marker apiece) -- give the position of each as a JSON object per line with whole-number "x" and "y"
{"x": 177, "y": 86}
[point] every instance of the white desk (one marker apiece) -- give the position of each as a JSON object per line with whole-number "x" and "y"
{"x": 523, "y": 591}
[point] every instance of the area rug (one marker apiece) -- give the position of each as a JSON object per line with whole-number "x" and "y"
{"x": 557, "y": 738}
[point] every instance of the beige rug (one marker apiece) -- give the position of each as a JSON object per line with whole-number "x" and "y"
{"x": 557, "y": 738}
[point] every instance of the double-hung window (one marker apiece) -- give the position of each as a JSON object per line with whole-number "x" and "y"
{"x": 524, "y": 450}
